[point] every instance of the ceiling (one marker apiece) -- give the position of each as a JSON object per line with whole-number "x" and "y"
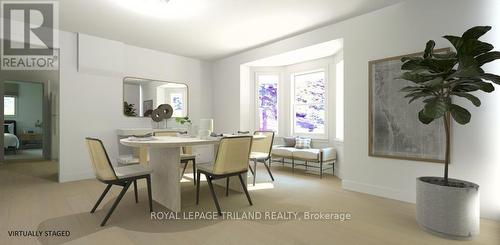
{"x": 313, "y": 52}
{"x": 206, "y": 29}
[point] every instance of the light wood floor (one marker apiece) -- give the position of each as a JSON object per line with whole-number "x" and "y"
{"x": 31, "y": 199}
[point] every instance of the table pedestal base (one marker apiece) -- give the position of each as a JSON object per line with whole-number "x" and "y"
{"x": 165, "y": 178}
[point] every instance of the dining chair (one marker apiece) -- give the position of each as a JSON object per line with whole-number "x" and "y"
{"x": 261, "y": 152}
{"x": 186, "y": 154}
{"x": 121, "y": 176}
{"x": 231, "y": 160}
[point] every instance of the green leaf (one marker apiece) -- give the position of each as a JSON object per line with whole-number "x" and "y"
{"x": 469, "y": 85}
{"x": 435, "y": 108}
{"x": 466, "y": 61}
{"x": 434, "y": 82}
{"x": 417, "y": 95}
{"x": 413, "y": 65}
{"x": 423, "y": 118}
{"x": 429, "y": 48}
{"x": 476, "y": 32}
{"x": 491, "y": 77}
{"x": 475, "y": 100}
{"x": 474, "y": 47}
{"x": 460, "y": 114}
{"x": 486, "y": 87}
{"x": 471, "y": 71}
{"x": 414, "y": 77}
{"x": 487, "y": 57}
{"x": 440, "y": 65}
{"x": 455, "y": 41}
{"x": 410, "y": 89}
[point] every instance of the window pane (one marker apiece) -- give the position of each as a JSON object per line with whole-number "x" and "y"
{"x": 9, "y": 106}
{"x": 268, "y": 102}
{"x": 177, "y": 104}
{"x": 310, "y": 119}
{"x": 310, "y": 88}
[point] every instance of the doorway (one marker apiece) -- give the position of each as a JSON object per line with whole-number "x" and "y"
{"x": 26, "y": 120}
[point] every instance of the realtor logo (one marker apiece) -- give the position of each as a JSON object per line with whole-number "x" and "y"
{"x": 29, "y": 35}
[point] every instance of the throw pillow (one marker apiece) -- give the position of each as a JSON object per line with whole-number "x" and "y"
{"x": 289, "y": 141}
{"x": 302, "y": 143}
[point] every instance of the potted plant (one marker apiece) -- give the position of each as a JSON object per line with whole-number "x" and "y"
{"x": 446, "y": 206}
{"x": 128, "y": 109}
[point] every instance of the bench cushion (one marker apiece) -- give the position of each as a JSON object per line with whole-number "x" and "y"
{"x": 283, "y": 151}
{"x": 309, "y": 154}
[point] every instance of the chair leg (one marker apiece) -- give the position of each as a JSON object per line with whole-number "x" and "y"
{"x": 321, "y": 169}
{"x": 245, "y": 189}
{"x": 306, "y": 165}
{"x": 227, "y": 186}
{"x": 251, "y": 170}
{"x": 184, "y": 168}
{"x": 255, "y": 171}
{"x": 214, "y": 196}
{"x": 135, "y": 192}
{"x": 283, "y": 161}
{"x": 333, "y": 168}
{"x": 118, "y": 199}
{"x": 293, "y": 165}
{"x": 100, "y": 198}
{"x": 150, "y": 196}
{"x": 269, "y": 170}
{"x": 197, "y": 188}
{"x": 194, "y": 172}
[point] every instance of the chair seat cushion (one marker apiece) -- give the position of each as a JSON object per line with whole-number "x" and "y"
{"x": 188, "y": 156}
{"x": 283, "y": 151}
{"x": 207, "y": 167}
{"x": 131, "y": 171}
{"x": 308, "y": 154}
{"x": 258, "y": 155}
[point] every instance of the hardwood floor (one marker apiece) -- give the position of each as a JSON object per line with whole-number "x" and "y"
{"x": 31, "y": 199}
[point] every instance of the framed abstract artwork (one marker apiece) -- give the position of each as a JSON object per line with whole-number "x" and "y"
{"x": 394, "y": 128}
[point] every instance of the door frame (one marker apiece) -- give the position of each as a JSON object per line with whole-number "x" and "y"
{"x": 46, "y": 117}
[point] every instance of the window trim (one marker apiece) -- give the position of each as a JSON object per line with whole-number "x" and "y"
{"x": 256, "y": 98}
{"x": 15, "y": 105}
{"x": 319, "y": 136}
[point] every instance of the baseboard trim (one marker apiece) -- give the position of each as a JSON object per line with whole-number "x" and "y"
{"x": 381, "y": 191}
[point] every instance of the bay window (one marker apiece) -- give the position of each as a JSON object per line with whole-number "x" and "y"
{"x": 309, "y": 103}
{"x": 267, "y": 101}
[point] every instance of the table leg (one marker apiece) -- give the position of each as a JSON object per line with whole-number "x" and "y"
{"x": 165, "y": 178}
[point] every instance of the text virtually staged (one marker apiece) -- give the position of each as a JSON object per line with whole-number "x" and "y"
{"x": 250, "y": 122}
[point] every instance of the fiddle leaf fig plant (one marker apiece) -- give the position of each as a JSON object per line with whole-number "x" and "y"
{"x": 438, "y": 77}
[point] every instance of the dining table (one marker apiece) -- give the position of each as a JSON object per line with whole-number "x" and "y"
{"x": 164, "y": 160}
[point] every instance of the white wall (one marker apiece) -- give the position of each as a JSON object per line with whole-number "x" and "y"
{"x": 91, "y": 100}
{"x": 396, "y": 30}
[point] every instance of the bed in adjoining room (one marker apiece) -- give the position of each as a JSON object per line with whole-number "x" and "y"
{"x": 10, "y": 139}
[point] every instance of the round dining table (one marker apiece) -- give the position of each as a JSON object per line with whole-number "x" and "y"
{"x": 164, "y": 160}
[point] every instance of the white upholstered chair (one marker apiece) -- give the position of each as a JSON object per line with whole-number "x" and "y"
{"x": 231, "y": 160}
{"x": 261, "y": 152}
{"x": 121, "y": 176}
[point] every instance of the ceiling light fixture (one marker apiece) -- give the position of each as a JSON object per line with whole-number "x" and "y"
{"x": 168, "y": 9}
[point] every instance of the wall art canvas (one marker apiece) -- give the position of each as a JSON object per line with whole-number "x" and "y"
{"x": 394, "y": 128}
